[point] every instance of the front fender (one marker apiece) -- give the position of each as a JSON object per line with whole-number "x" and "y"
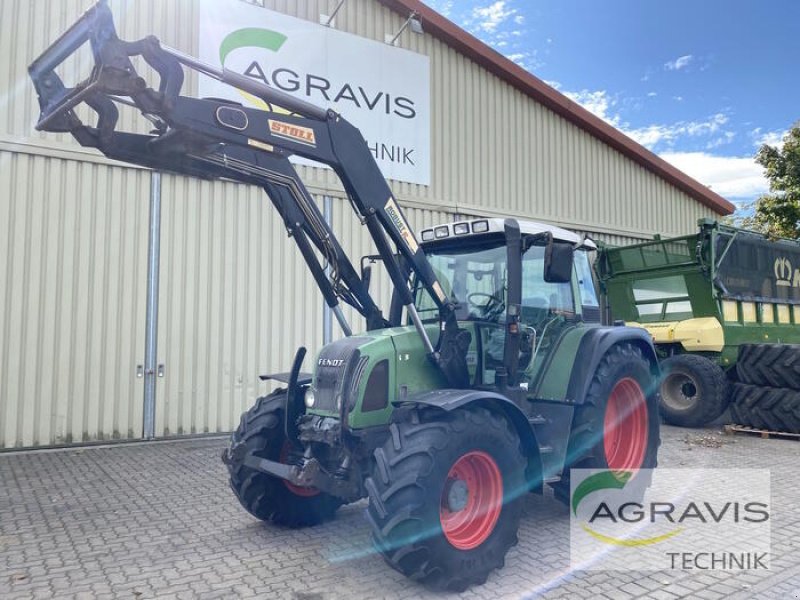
{"x": 451, "y": 399}
{"x": 595, "y": 344}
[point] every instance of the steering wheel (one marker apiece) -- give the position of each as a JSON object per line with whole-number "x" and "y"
{"x": 493, "y": 306}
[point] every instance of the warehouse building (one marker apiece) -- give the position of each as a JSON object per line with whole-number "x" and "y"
{"x": 92, "y": 250}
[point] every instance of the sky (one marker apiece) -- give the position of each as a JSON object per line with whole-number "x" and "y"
{"x": 702, "y": 83}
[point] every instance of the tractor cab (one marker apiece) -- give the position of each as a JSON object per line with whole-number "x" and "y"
{"x": 471, "y": 262}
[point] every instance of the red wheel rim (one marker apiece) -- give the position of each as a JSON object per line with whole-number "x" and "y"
{"x": 468, "y": 526}
{"x": 625, "y": 426}
{"x": 297, "y": 490}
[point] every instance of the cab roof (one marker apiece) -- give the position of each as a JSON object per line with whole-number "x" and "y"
{"x": 476, "y": 227}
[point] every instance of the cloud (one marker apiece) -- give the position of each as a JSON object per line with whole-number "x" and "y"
{"x": 725, "y": 138}
{"x": 602, "y": 104}
{"x": 597, "y": 102}
{"x": 446, "y": 8}
{"x": 652, "y": 94}
{"x": 771, "y": 138}
{"x": 490, "y": 17}
{"x": 679, "y": 63}
{"x": 729, "y": 176}
{"x": 651, "y": 136}
{"x": 526, "y": 60}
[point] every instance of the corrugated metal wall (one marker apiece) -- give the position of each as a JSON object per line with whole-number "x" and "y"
{"x": 235, "y": 298}
{"x": 73, "y": 242}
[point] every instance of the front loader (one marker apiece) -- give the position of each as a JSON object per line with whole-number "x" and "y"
{"x": 488, "y": 377}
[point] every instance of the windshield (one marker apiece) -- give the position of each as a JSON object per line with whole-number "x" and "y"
{"x": 475, "y": 278}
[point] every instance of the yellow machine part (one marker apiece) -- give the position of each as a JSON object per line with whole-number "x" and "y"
{"x": 695, "y": 335}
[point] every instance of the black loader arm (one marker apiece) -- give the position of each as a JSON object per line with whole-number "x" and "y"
{"x": 219, "y": 139}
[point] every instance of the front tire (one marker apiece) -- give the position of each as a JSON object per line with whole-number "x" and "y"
{"x": 263, "y": 496}
{"x": 694, "y": 390}
{"x": 445, "y": 497}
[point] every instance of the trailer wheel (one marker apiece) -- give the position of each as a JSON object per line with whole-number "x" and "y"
{"x": 769, "y": 408}
{"x": 617, "y": 426}
{"x": 445, "y": 497}
{"x": 694, "y": 390}
{"x": 774, "y": 365}
{"x": 263, "y": 496}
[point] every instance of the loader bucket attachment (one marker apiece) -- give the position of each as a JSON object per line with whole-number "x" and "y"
{"x": 114, "y": 79}
{"x": 113, "y": 75}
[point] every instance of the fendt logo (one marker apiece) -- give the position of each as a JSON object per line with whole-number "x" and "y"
{"x": 330, "y": 362}
{"x": 784, "y": 275}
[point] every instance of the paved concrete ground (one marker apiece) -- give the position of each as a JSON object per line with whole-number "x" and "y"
{"x": 157, "y": 520}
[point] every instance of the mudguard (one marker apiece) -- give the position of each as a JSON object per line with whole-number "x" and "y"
{"x": 451, "y": 399}
{"x": 303, "y": 378}
{"x": 594, "y": 345}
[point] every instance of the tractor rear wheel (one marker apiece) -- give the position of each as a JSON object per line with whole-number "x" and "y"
{"x": 694, "y": 390}
{"x": 617, "y": 426}
{"x": 263, "y": 496}
{"x": 769, "y": 408}
{"x": 445, "y": 497}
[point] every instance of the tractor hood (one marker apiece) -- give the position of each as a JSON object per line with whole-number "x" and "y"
{"x": 359, "y": 377}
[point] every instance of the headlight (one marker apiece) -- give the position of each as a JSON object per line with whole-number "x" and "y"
{"x": 309, "y": 398}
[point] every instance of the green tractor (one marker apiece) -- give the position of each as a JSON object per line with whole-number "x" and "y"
{"x": 490, "y": 376}
{"x": 723, "y": 308}
{"x": 445, "y": 468}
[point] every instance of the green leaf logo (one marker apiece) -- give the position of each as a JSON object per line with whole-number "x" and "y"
{"x": 612, "y": 480}
{"x": 250, "y": 37}
{"x": 599, "y": 481}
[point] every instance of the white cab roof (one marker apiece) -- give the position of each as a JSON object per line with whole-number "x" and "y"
{"x": 498, "y": 226}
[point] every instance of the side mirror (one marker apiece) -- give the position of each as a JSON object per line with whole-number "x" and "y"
{"x": 558, "y": 259}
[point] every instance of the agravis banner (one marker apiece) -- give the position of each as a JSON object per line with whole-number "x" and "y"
{"x": 381, "y": 89}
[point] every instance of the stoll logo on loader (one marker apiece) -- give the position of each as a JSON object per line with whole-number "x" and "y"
{"x": 688, "y": 519}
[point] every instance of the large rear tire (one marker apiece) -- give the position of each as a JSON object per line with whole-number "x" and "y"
{"x": 768, "y": 408}
{"x": 774, "y": 365}
{"x": 445, "y": 497}
{"x": 617, "y": 426}
{"x": 263, "y": 496}
{"x": 694, "y": 390}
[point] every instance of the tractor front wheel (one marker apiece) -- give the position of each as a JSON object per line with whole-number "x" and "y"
{"x": 445, "y": 497}
{"x": 263, "y": 496}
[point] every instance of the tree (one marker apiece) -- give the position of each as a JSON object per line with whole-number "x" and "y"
{"x": 778, "y": 213}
